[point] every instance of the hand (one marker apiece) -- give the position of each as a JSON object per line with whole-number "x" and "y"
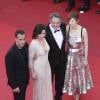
{"x": 34, "y": 76}
{"x": 66, "y": 46}
{"x": 35, "y": 57}
{"x": 72, "y": 42}
{"x": 85, "y": 62}
{"x": 16, "y": 90}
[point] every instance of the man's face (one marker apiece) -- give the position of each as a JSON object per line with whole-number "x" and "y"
{"x": 20, "y": 40}
{"x": 55, "y": 22}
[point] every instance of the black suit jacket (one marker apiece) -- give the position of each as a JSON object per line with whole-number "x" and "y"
{"x": 17, "y": 66}
{"x": 57, "y": 56}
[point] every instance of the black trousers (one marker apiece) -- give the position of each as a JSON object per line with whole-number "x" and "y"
{"x": 71, "y": 3}
{"x": 57, "y": 1}
{"x": 21, "y": 95}
{"x": 97, "y": 0}
{"x": 59, "y": 73}
{"x": 87, "y": 2}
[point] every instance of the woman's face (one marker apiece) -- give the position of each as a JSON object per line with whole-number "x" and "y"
{"x": 42, "y": 35}
{"x": 73, "y": 22}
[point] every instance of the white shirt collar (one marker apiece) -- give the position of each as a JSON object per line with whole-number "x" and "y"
{"x": 52, "y": 29}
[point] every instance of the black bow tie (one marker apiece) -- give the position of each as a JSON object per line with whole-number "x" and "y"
{"x": 56, "y": 31}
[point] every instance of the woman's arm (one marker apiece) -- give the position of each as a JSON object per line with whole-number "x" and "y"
{"x": 32, "y": 58}
{"x": 85, "y": 40}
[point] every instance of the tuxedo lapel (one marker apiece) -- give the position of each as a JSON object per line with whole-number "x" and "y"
{"x": 63, "y": 34}
{"x": 52, "y": 38}
{"x": 62, "y": 30}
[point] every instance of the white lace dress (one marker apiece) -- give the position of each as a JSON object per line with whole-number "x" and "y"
{"x": 42, "y": 88}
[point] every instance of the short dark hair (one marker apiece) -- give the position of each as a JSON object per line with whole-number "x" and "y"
{"x": 37, "y": 30}
{"x": 19, "y": 32}
{"x": 55, "y": 14}
{"x": 74, "y": 15}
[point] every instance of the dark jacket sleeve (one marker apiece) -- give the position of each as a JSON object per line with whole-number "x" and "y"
{"x": 47, "y": 35}
{"x": 10, "y": 69}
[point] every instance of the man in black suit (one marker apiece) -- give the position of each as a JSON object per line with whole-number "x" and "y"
{"x": 56, "y": 39}
{"x": 16, "y": 61}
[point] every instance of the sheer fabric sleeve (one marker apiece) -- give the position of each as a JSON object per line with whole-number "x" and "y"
{"x": 32, "y": 52}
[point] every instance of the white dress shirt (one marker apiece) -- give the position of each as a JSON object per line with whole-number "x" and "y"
{"x": 57, "y": 36}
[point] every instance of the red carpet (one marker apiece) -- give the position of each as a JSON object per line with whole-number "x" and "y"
{"x": 15, "y": 14}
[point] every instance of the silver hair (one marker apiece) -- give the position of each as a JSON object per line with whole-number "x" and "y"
{"x": 55, "y": 14}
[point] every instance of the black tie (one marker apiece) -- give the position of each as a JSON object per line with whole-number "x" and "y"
{"x": 56, "y": 31}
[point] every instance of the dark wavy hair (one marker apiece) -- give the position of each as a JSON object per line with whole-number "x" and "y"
{"x": 37, "y": 30}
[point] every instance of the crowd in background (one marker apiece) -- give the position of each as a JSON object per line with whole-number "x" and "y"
{"x": 84, "y": 7}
